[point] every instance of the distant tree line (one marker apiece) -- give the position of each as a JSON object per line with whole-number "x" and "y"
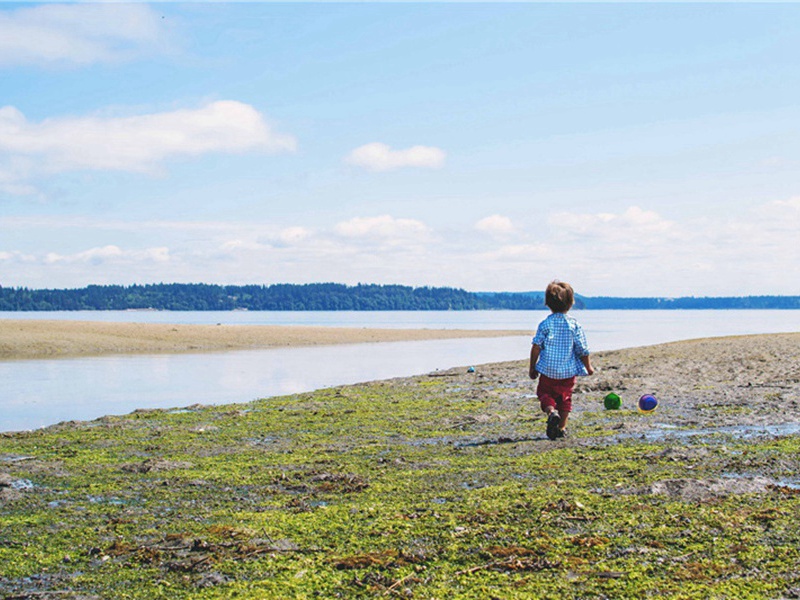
{"x": 177, "y": 296}
{"x": 334, "y": 296}
{"x": 719, "y": 303}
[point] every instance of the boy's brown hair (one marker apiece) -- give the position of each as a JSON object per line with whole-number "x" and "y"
{"x": 559, "y": 296}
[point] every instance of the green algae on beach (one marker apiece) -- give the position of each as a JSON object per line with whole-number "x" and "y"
{"x": 437, "y": 486}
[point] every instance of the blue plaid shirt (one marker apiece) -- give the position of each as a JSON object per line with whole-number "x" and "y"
{"x": 563, "y": 343}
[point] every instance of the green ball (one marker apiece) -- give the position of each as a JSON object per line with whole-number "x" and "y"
{"x": 612, "y": 401}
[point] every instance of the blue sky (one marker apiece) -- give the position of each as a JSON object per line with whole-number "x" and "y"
{"x": 631, "y": 149}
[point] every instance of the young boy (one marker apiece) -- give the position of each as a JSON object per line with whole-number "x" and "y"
{"x": 559, "y": 353}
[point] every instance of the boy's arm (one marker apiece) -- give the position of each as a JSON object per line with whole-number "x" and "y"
{"x": 535, "y": 351}
{"x": 583, "y": 349}
{"x": 587, "y": 362}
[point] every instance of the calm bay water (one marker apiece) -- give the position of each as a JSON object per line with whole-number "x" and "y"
{"x": 36, "y": 393}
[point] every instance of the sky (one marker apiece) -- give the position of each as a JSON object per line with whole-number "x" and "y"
{"x": 631, "y": 149}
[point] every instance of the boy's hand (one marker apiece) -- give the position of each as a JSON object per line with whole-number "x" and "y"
{"x": 587, "y": 363}
{"x": 535, "y": 351}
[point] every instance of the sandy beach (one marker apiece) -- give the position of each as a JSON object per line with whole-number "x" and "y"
{"x": 24, "y": 339}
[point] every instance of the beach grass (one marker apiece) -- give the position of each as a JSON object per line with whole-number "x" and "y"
{"x": 437, "y": 486}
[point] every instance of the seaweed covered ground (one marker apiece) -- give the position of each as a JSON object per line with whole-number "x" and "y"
{"x": 437, "y": 486}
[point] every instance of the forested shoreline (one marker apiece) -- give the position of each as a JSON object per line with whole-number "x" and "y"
{"x": 335, "y": 296}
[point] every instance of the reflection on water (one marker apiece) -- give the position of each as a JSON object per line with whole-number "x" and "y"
{"x": 37, "y": 393}
{"x": 42, "y": 392}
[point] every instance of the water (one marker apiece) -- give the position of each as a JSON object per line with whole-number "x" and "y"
{"x": 36, "y": 393}
{"x": 665, "y": 431}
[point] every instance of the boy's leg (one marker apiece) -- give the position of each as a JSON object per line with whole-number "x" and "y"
{"x": 564, "y": 401}
{"x": 548, "y": 400}
{"x": 562, "y": 425}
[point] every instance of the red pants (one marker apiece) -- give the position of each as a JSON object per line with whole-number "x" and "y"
{"x": 555, "y": 393}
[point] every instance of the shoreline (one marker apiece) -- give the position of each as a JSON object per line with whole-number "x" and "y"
{"x": 689, "y": 372}
{"x": 33, "y": 339}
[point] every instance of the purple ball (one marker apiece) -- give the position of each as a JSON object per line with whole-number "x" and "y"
{"x": 648, "y": 403}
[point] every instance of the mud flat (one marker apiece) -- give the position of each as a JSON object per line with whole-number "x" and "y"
{"x": 55, "y": 338}
{"x": 744, "y": 381}
{"x": 436, "y": 486}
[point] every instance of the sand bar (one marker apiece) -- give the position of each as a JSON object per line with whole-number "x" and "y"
{"x": 25, "y": 339}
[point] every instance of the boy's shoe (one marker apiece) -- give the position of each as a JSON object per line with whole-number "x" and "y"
{"x": 553, "y": 421}
{"x": 561, "y": 434}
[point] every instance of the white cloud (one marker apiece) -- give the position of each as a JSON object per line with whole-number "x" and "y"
{"x": 254, "y": 239}
{"x": 633, "y": 222}
{"x": 241, "y": 246}
{"x": 639, "y": 252}
{"x": 293, "y": 235}
{"x": 99, "y": 224}
{"x": 633, "y": 252}
{"x": 781, "y": 214}
{"x": 16, "y": 256}
{"x": 135, "y": 143}
{"x": 109, "y": 254}
{"x": 520, "y": 253}
{"x": 79, "y": 34}
{"x": 380, "y": 157}
{"x": 496, "y": 225}
{"x": 383, "y": 228}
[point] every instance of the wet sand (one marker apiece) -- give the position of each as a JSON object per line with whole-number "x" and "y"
{"x": 24, "y": 339}
{"x": 750, "y": 381}
{"x": 735, "y": 381}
